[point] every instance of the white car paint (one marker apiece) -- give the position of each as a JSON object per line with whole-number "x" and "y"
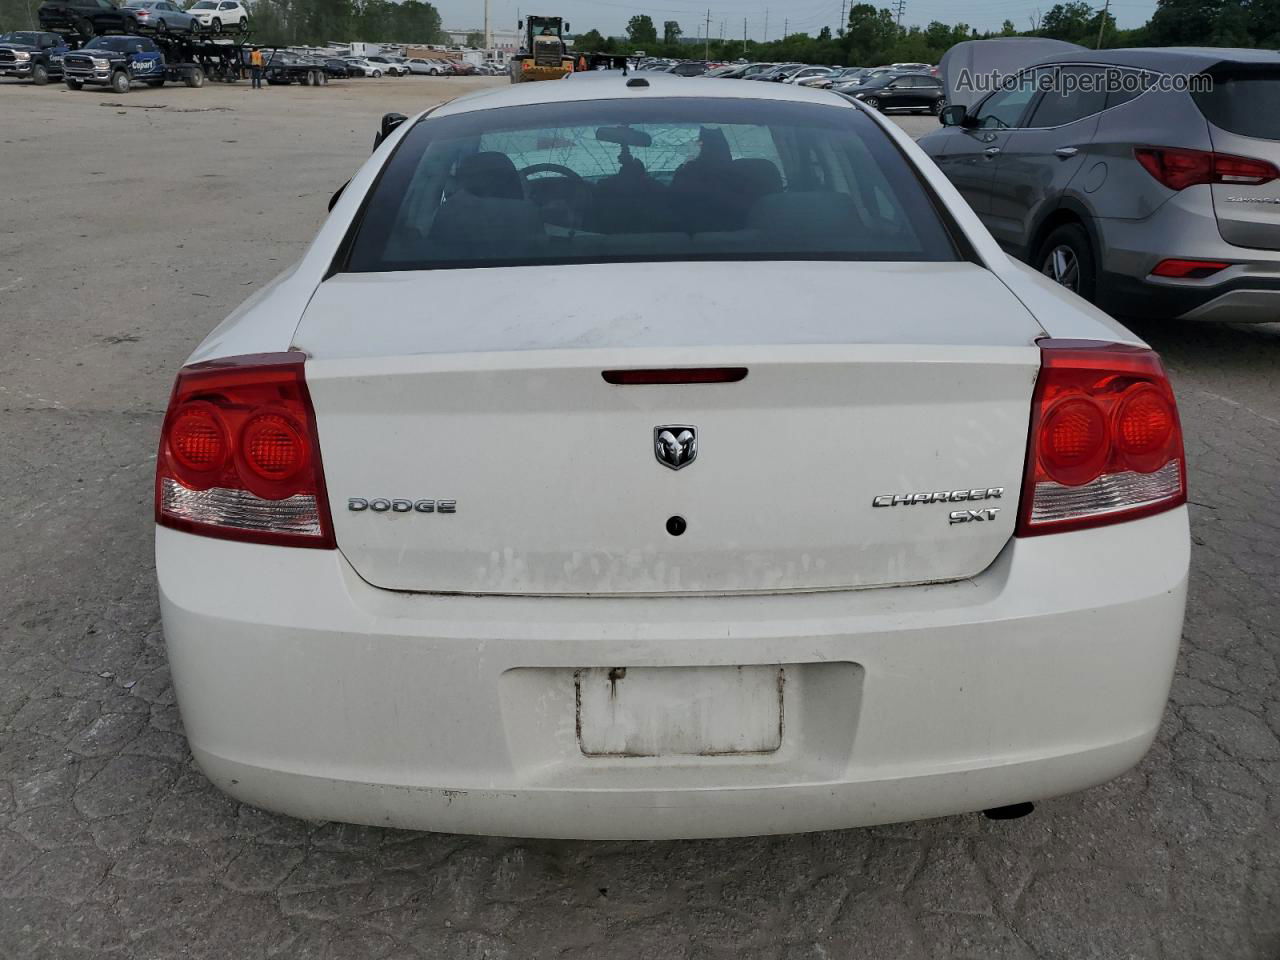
{"x": 436, "y": 684}
{"x": 220, "y": 14}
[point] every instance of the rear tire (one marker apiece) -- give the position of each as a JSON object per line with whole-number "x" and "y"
{"x": 39, "y": 75}
{"x": 120, "y": 82}
{"x": 215, "y": 25}
{"x": 85, "y": 28}
{"x": 377, "y": 73}
{"x": 937, "y": 107}
{"x": 162, "y": 28}
{"x": 1067, "y": 257}
{"x": 244, "y": 24}
{"x": 872, "y": 102}
{"x": 195, "y": 78}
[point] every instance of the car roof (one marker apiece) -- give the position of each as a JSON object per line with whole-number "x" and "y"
{"x": 612, "y": 85}
{"x": 1168, "y": 59}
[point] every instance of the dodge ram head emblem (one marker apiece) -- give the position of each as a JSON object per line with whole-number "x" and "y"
{"x": 675, "y": 446}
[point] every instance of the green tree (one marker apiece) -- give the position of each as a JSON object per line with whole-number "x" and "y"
{"x": 1007, "y": 29}
{"x": 1073, "y": 22}
{"x": 671, "y": 32}
{"x": 475, "y": 40}
{"x": 871, "y": 35}
{"x": 641, "y": 31}
{"x": 590, "y": 42}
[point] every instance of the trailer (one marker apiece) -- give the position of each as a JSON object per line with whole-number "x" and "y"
{"x": 153, "y": 59}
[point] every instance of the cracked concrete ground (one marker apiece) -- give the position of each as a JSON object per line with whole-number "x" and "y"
{"x": 125, "y": 235}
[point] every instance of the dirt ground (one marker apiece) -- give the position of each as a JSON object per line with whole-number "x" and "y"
{"x": 129, "y": 226}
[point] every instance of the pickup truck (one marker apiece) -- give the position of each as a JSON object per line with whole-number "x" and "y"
{"x": 32, "y": 55}
{"x": 117, "y": 62}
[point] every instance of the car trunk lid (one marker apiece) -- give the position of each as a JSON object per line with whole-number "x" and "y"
{"x": 1243, "y": 110}
{"x": 484, "y": 390}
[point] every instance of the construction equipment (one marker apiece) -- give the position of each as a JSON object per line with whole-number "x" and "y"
{"x": 545, "y": 55}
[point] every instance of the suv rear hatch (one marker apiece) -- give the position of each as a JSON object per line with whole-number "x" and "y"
{"x": 1243, "y": 110}
{"x": 485, "y": 387}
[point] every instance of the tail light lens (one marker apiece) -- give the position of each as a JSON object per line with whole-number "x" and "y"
{"x": 239, "y": 457}
{"x": 1105, "y": 442}
{"x": 1178, "y": 169}
{"x": 1189, "y": 269}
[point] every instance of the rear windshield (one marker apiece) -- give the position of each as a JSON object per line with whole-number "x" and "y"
{"x": 672, "y": 179}
{"x": 1245, "y": 102}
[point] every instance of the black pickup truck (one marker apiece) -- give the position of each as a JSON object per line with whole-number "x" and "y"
{"x": 32, "y": 55}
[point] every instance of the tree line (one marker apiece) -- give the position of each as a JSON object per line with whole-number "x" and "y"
{"x": 303, "y": 22}
{"x": 872, "y": 36}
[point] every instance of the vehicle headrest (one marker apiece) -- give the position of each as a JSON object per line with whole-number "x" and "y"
{"x": 490, "y": 174}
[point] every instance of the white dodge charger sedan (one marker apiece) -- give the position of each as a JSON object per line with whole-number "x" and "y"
{"x": 635, "y": 458}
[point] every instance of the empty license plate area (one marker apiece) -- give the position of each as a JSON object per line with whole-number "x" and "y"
{"x": 679, "y": 711}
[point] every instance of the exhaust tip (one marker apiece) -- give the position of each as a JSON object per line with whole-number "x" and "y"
{"x": 1013, "y": 811}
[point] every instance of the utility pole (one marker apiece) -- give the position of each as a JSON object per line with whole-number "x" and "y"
{"x": 1102, "y": 23}
{"x": 488, "y": 37}
{"x": 844, "y": 24}
{"x": 706, "y": 46}
{"x": 902, "y": 8}
{"x": 785, "y": 23}
{"x": 766, "y": 25}
{"x": 744, "y": 38}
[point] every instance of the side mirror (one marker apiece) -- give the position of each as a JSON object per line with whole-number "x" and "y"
{"x": 952, "y": 116}
{"x": 519, "y": 24}
{"x": 567, "y": 28}
{"x": 389, "y": 122}
{"x": 337, "y": 194}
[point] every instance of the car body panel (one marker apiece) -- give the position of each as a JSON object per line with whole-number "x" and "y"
{"x": 472, "y": 699}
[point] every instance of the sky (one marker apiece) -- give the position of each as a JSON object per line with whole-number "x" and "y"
{"x": 610, "y": 16}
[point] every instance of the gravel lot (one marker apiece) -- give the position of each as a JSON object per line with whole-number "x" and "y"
{"x": 128, "y": 227}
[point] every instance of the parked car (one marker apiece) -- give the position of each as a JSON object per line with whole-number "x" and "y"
{"x": 159, "y": 16}
{"x": 364, "y": 67}
{"x": 809, "y": 73}
{"x": 778, "y": 73}
{"x": 1145, "y": 199}
{"x": 743, "y": 71}
{"x": 912, "y": 91}
{"x": 430, "y": 68}
{"x": 388, "y": 66}
{"x": 32, "y": 55}
{"x": 86, "y": 18}
{"x": 462, "y": 68}
{"x": 117, "y": 62}
{"x": 337, "y": 69}
{"x": 688, "y": 68}
{"x": 961, "y": 579}
{"x": 839, "y": 77}
{"x": 218, "y": 16}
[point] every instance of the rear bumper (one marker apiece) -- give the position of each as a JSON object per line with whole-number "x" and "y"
{"x": 1185, "y": 227}
{"x": 306, "y": 691}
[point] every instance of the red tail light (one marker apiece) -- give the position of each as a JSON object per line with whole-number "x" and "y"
{"x": 1105, "y": 442}
{"x": 239, "y": 457}
{"x": 1188, "y": 269}
{"x": 1178, "y": 169}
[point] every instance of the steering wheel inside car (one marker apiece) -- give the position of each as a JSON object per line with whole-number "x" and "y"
{"x": 556, "y": 168}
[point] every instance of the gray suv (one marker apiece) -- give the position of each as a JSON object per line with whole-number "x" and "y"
{"x": 1143, "y": 196}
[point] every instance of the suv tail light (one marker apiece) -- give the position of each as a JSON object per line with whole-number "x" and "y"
{"x": 1178, "y": 169}
{"x": 239, "y": 457}
{"x": 1105, "y": 442}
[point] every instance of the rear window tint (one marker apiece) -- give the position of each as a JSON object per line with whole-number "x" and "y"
{"x": 663, "y": 179}
{"x": 1246, "y": 103}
